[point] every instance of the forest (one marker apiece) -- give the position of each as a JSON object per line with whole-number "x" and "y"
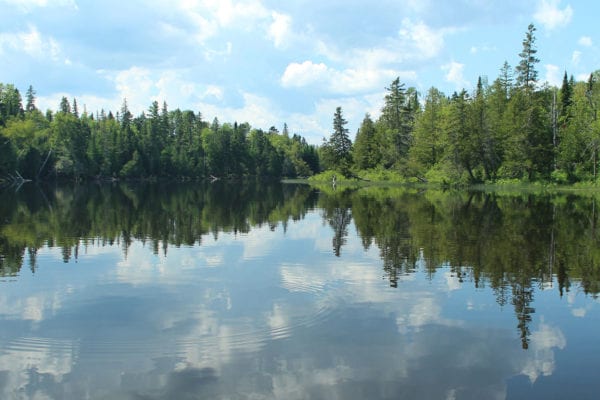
{"x": 512, "y": 129}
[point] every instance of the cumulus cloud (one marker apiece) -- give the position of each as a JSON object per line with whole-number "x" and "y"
{"x": 280, "y": 29}
{"x": 551, "y": 16}
{"x": 553, "y": 75}
{"x": 425, "y": 41}
{"x": 304, "y": 74}
{"x": 585, "y": 41}
{"x": 455, "y": 74}
{"x": 135, "y": 84}
{"x": 32, "y": 43}
{"x": 351, "y": 80}
{"x": 140, "y": 86}
{"x": 257, "y": 110}
{"x": 209, "y": 16}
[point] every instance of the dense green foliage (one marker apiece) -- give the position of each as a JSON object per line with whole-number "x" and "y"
{"x": 513, "y": 129}
{"x": 158, "y": 143}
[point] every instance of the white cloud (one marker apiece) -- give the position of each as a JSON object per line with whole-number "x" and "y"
{"x": 583, "y": 77}
{"x": 136, "y": 85}
{"x": 31, "y": 43}
{"x": 258, "y": 111}
{"x": 230, "y": 12}
{"x": 428, "y": 42}
{"x": 280, "y": 30}
{"x": 585, "y": 41}
{"x": 551, "y": 16}
{"x": 454, "y": 74}
{"x": 210, "y": 16}
{"x": 576, "y": 57}
{"x": 307, "y": 73}
{"x": 364, "y": 78}
{"x": 213, "y": 91}
{"x": 141, "y": 86}
{"x": 482, "y": 49}
{"x": 553, "y": 75}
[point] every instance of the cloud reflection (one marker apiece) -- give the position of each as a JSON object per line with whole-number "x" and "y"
{"x": 263, "y": 324}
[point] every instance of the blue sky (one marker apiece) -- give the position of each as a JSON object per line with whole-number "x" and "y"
{"x": 270, "y": 62}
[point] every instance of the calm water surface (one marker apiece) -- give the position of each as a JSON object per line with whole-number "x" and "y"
{"x": 249, "y": 291}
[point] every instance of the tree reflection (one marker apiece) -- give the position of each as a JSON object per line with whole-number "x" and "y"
{"x": 158, "y": 215}
{"x": 337, "y": 213}
{"x": 513, "y": 243}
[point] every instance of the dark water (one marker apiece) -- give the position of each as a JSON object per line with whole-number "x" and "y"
{"x": 248, "y": 291}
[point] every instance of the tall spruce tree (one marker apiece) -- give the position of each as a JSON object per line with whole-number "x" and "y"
{"x": 566, "y": 99}
{"x": 64, "y": 106}
{"x": 366, "y": 153}
{"x": 396, "y": 121}
{"x": 428, "y": 147}
{"x": 505, "y": 80}
{"x": 527, "y": 75}
{"x": 30, "y": 98}
{"x": 337, "y": 150}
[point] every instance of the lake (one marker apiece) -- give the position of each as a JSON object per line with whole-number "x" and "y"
{"x": 282, "y": 291}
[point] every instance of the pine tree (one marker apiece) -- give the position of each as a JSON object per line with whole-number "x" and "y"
{"x": 428, "y": 146}
{"x": 285, "y": 132}
{"x": 30, "y": 96}
{"x": 566, "y": 99}
{"x": 462, "y": 145}
{"x": 74, "y": 109}
{"x": 338, "y": 148}
{"x": 505, "y": 79}
{"x": 365, "y": 153}
{"x": 527, "y": 75}
{"x": 64, "y": 107}
{"x": 396, "y": 120}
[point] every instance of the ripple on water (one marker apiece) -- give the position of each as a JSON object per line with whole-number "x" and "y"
{"x": 307, "y": 300}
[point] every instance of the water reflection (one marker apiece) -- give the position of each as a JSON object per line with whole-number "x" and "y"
{"x": 282, "y": 291}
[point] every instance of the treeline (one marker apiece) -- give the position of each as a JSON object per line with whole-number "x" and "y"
{"x": 512, "y": 128}
{"x": 157, "y": 143}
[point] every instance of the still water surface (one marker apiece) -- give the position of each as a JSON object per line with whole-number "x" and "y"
{"x": 278, "y": 291}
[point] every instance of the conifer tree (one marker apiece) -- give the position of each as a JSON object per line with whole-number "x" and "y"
{"x": 566, "y": 98}
{"x": 396, "y": 122}
{"x": 527, "y": 75}
{"x": 30, "y": 97}
{"x": 74, "y": 109}
{"x": 365, "y": 153}
{"x": 337, "y": 150}
{"x": 64, "y": 107}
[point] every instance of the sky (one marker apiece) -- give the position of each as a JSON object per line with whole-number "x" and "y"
{"x": 270, "y": 62}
